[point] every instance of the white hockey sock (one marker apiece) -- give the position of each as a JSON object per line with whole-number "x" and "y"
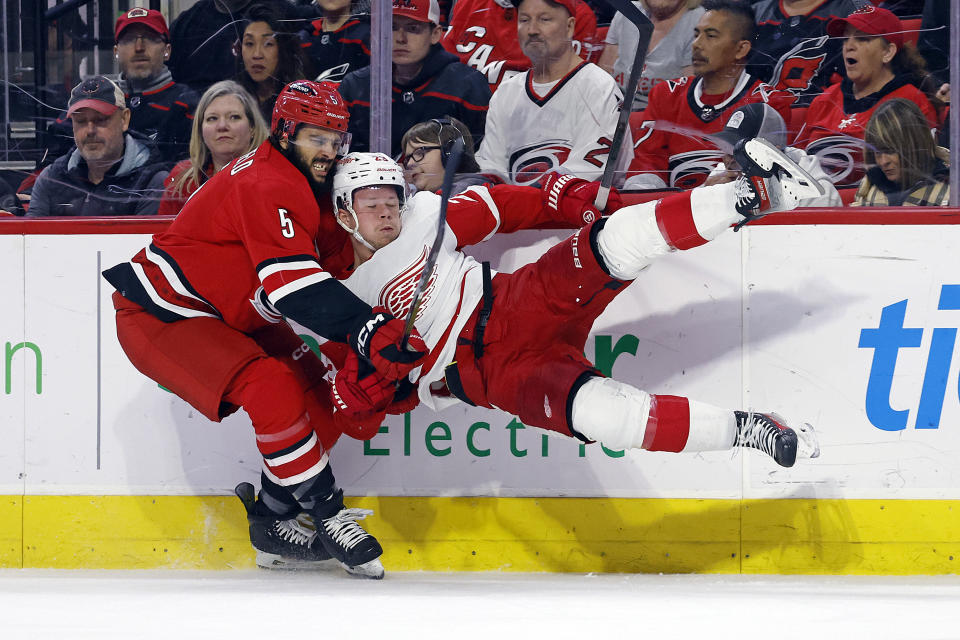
{"x": 624, "y": 417}
{"x": 714, "y": 209}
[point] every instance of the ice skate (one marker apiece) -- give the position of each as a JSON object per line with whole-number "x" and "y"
{"x": 357, "y": 551}
{"x": 771, "y": 181}
{"x": 290, "y": 543}
{"x": 769, "y": 433}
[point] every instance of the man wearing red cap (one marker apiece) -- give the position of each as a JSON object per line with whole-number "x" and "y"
{"x": 878, "y": 66}
{"x": 483, "y": 33}
{"x": 111, "y": 172}
{"x": 561, "y": 114}
{"x": 428, "y": 82}
{"x": 159, "y": 107}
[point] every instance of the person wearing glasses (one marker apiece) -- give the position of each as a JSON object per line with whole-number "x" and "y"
{"x": 426, "y": 148}
{"x": 160, "y": 108}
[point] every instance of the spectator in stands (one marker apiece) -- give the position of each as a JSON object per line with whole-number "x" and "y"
{"x": 672, "y": 149}
{"x": 905, "y": 165}
{"x": 792, "y": 50}
{"x": 111, "y": 172}
{"x": 228, "y": 125}
{"x": 428, "y": 82}
{"x": 483, "y": 33}
{"x": 760, "y": 120}
{"x": 878, "y": 66}
{"x": 9, "y": 202}
{"x": 270, "y": 57}
{"x": 558, "y": 116}
{"x": 426, "y": 148}
{"x": 668, "y": 55}
{"x": 159, "y": 107}
{"x": 338, "y": 42}
{"x": 203, "y": 38}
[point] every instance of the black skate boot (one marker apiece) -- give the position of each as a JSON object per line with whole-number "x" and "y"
{"x": 771, "y": 181}
{"x": 769, "y": 433}
{"x": 283, "y": 543}
{"x": 357, "y": 551}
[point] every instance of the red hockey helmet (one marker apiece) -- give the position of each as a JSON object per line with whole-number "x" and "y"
{"x": 313, "y": 103}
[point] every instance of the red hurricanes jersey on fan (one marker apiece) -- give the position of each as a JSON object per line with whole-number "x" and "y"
{"x": 254, "y": 225}
{"x": 484, "y": 35}
{"x": 834, "y": 127}
{"x": 669, "y": 142}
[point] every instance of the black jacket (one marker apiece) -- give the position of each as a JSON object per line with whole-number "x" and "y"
{"x": 163, "y": 111}
{"x": 444, "y": 87}
{"x": 133, "y": 186}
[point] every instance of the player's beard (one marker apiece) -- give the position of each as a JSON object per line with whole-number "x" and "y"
{"x": 321, "y": 190}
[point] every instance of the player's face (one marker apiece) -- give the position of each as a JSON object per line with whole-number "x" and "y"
{"x": 316, "y": 150}
{"x": 865, "y": 56}
{"x": 716, "y": 44}
{"x": 260, "y": 52}
{"x": 544, "y": 32}
{"x": 226, "y": 130}
{"x": 426, "y": 174}
{"x": 99, "y": 138}
{"x": 141, "y": 52}
{"x": 412, "y": 40}
{"x": 378, "y": 215}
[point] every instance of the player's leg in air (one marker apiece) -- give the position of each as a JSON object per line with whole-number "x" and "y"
{"x": 622, "y": 416}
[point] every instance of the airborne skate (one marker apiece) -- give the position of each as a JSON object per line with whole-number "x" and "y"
{"x": 290, "y": 543}
{"x": 769, "y": 433}
{"x": 357, "y": 551}
{"x": 771, "y": 181}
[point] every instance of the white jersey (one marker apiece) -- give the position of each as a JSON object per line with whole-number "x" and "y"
{"x": 569, "y": 129}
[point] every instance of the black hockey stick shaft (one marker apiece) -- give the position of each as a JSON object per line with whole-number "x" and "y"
{"x": 643, "y": 24}
{"x": 453, "y": 161}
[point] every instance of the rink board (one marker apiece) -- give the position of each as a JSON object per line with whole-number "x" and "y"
{"x": 776, "y": 317}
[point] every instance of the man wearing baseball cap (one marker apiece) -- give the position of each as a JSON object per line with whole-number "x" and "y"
{"x": 760, "y": 120}
{"x": 111, "y": 172}
{"x": 428, "y": 82}
{"x": 159, "y": 107}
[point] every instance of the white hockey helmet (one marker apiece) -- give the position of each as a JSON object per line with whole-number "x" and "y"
{"x": 358, "y": 170}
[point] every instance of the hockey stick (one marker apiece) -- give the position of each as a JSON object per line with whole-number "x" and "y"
{"x": 453, "y": 161}
{"x": 643, "y": 24}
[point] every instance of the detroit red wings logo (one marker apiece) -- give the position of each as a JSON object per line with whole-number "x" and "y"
{"x": 397, "y": 294}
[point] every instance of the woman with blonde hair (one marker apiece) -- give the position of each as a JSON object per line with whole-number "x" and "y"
{"x": 226, "y": 125}
{"x": 905, "y": 165}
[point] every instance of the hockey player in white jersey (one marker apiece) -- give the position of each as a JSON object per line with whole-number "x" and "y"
{"x": 515, "y": 341}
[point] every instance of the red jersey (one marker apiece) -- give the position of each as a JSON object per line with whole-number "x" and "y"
{"x": 834, "y": 126}
{"x": 251, "y": 240}
{"x": 484, "y": 35}
{"x": 669, "y": 146}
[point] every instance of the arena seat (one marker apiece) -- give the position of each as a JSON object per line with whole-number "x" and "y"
{"x": 847, "y": 194}
{"x": 797, "y": 117}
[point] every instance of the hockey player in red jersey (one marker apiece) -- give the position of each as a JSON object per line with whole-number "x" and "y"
{"x": 670, "y": 144}
{"x": 515, "y": 341}
{"x": 199, "y": 311}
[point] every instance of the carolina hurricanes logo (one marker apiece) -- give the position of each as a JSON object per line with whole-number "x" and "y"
{"x": 841, "y": 158}
{"x": 397, "y": 294}
{"x": 797, "y": 68}
{"x": 529, "y": 163}
{"x": 690, "y": 169}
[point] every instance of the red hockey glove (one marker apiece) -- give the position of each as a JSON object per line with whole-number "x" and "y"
{"x": 572, "y": 198}
{"x": 378, "y": 341}
{"x": 360, "y": 400}
{"x": 405, "y": 398}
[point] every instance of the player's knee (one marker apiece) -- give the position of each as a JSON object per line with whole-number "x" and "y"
{"x": 611, "y": 412}
{"x": 629, "y": 240}
{"x": 270, "y": 394}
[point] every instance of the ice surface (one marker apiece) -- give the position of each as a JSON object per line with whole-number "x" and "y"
{"x": 174, "y": 605}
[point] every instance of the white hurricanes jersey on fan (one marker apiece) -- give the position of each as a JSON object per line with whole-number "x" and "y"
{"x": 568, "y": 127}
{"x": 390, "y": 277}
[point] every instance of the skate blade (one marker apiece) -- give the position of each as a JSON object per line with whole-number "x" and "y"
{"x": 273, "y": 561}
{"x": 372, "y": 569}
{"x": 808, "y": 445}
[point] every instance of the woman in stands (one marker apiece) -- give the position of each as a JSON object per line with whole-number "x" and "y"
{"x": 906, "y": 167}
{"x": 269, "y": 55}
{"x": 227, "y": 124}
{"x": 427, "y": 145}
{"x": 879, "y": 66}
